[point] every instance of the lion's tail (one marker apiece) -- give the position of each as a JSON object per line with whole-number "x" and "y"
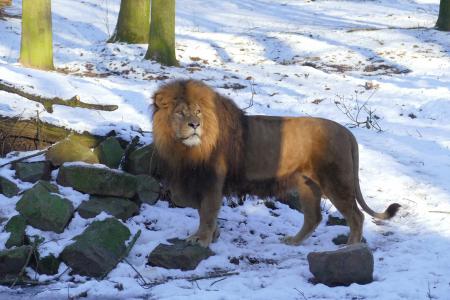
{"x": 390, "y": 211}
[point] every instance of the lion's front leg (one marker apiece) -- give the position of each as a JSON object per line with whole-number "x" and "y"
{"x": 207, "y": 231}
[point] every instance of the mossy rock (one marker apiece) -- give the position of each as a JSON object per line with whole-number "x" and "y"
{"x": 45, "y": 210}
{"x": 179, "y": 255}
{"x": 8, "y": 188}
{"x": 70, "y": 150}
{"x": 97, "y": 181}
{"x": 148, "y": 189}
{"x": 336, "y": 221}
{"x": 143, "y": 160}
{"x": 118, "y": 207}
{"x": 33, "y": 171}
{"x": 16, "y": 227}
{"x": 110, "y": 152}
{"x": 13, "y": 260}
{"x": 98, "y": 249}
{"x": 47, "y": 265}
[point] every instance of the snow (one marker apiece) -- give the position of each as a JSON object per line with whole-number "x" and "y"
{"x": 288, "y": 55}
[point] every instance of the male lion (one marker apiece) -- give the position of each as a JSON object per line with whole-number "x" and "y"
{"x": 208, "y": 148}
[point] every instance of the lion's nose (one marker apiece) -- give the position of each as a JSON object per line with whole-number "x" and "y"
{"x": 194, "y": 124}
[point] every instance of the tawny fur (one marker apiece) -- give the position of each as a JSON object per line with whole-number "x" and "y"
{"x": 257, "y": 155}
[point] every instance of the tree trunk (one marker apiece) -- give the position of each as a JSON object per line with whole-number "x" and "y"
{"x": 36, "y": 47}
{"x": 443, "y": 22}
{"x": 161, "y": 46}
{"x": 133, "y": 24}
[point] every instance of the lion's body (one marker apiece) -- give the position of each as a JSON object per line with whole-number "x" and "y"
{"x": 228, "y": 153}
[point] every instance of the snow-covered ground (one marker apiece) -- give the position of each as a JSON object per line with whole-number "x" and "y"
{"x": 285, "y": 57}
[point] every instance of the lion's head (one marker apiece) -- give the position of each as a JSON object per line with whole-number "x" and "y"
{"x": 185, "y": 122}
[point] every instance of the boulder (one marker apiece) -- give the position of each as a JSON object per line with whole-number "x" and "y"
{"x": 8, "y": 188}
{"x": 351, "y": 264}
{"x": 33, "y": 171}
{"x": 142, "y": 161}
{"x": 16, "y": 227}
{"x": 69, "y": 150}
{"x": 45, "y": 210}
{"x": 179, "y": 255}
{"x": 12, "y": 261}
{"x": 97, "y": 181}
{"x": 148, "y": 189}
{"x": 47, "y": 265}
{"x": 98, "y": 249}
{"x": 110, "y": 152}
{"x": 118, "y": 207}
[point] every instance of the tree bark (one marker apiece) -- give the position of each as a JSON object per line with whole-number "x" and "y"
{"x": 133, "y": 24}
{"x": 36, "y": 46}
{"x": 443, "y": 22}
{"x": 161, "y": 46}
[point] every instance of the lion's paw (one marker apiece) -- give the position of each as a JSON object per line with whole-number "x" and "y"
{"x": 198, "y": 240}
{"x": 290, "y": 240}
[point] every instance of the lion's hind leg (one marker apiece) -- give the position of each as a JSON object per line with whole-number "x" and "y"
{"x": 310, "y": 196}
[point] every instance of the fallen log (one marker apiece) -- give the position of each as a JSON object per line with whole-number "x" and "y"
{"x": 25, "y": 135}
{"x": 49, "y": 102}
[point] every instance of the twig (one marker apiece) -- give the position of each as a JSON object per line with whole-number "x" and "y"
{"x": 49, "y": 102}
{"x": 35, "y": 244}
{"x": 439, "y": 211}
{"x": 386, "y": 28}
{"x": 253, "y": 94}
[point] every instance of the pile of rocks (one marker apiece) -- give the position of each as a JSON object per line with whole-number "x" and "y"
{"x": 101, "y": 246}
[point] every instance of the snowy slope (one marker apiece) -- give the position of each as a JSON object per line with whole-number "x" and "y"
{"x": 290, "y": 58}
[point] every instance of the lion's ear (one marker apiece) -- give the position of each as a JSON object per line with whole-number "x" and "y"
{"x": 160, "y": 101}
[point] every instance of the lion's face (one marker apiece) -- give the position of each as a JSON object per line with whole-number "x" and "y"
{"x": 187, "y": 124}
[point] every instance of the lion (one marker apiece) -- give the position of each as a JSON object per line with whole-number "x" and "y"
{"x": 209, "y": 148}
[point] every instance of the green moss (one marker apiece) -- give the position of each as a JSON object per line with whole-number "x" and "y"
{"x": 8, "y": 188}
{"x": 16, "y": 226}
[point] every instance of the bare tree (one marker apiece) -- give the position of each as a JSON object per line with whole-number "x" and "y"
{"x": 161, "y": 46}
{"x": 443, "y": 22}
{"x": 133, "y": 24}
{"x": 36, "y": 46}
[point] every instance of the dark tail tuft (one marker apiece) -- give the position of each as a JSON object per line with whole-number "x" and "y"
{"x": 392, "y": 210}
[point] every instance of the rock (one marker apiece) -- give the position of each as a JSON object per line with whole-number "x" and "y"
{"x": 69, "y": 150}
{"x": 97, "y": 181}
{"x": 50, "y": 187}
{"x": 334, "y": 221}
{"x": 351, "y": 264}
{"x": 291, "y": 198}
{"x": 118, "y": 207}
{"x": 33, "y": 171}
{"x": 110, "y": 152}
{"x": 142, "y": 161}
{"x": 8, "y": 188}
{"x": 148, "y": 189}
{"x": 342, "y": 239}
{"x": 12, "y": 261}
{"x": 98, "y": 249}
{"x": 43, "y": 210}
{"x": 16, "y": 226}
{"x": 47, "y": 265}
{"x": 179, "y": 255}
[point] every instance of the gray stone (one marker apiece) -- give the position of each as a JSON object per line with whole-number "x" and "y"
{"x": 97, "y": 181}
{"x": 47, "y": 265}
{"x": 148, "y": 189}
{"x": 142, "y": 161}
{"x": 118, "y": 207}
{"x": 8, "y": 188}
{"x": 69, "y": 150}
{"x": 12, "y": 261}
{"x": 351, "y": 264}
{"x": 110, "y": 152}
{"x": 98, "y": 249}
{"x": 342, "y": 239}
{"x": 16, "y": 227}
{"x": 33, "y": 171}
{"x": 45, "y": 210}
{"x": 335, "y": 221}
{"x": 179, "y": 255}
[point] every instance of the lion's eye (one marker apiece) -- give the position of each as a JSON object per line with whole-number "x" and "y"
{"x": 179, "y": 113}
{"x": 197, "y": 112}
